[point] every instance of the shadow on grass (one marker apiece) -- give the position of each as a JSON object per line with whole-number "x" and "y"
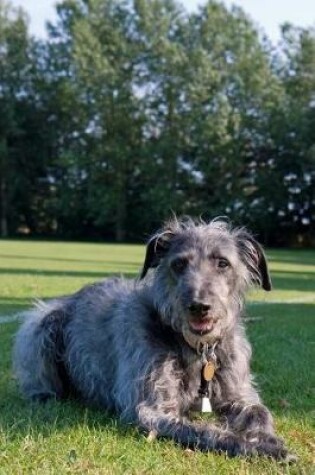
{"x": 103, "y": 261}
{"x": 283, "y": 340}
{"x": 67, "y": 273}
{"x": 20, "y": 418}
{"x": 304, "y": 281}
{"x": 10, "y": 307}
{"x": 297, "y": 256}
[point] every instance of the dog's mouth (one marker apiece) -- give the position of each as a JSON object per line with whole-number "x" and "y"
{"x": 201, "y": 327}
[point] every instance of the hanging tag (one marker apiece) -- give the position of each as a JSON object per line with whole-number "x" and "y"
{"x": 202, "y": 404}
{"x": 206, "y": 404}
{"x": 208, "y": 370}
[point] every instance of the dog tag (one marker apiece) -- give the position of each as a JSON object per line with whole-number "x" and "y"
{"x": 208, "y": 370}
{"x": 206, "y": 404}
{"x": 202, "y": 404}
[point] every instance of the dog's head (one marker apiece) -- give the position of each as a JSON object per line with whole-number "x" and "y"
{"x": 202, "y": 271}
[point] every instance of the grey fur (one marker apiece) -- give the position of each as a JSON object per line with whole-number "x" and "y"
{"x": 129, "y": 345}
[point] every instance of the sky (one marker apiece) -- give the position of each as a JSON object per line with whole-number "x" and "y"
{"x": 268, "y": 14}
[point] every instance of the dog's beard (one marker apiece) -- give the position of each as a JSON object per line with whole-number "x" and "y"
{"x": 195, "y": 340}
{"x": 179, "y": 322}
{"x": 210, "y": 329}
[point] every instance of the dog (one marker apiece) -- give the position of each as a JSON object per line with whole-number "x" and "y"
{"x": 153, "y": 348}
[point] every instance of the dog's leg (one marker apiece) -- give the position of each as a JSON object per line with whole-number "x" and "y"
{"x": 238, "y": 404}
{"x": 253, "y": 423}
{"x": 161, "y": 411}
{"x": 37, "y": 356}
{"x": 205, "y": 437}
{"x": 190, "y": 435}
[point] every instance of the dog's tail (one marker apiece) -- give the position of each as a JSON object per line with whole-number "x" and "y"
{"x": 38, "y": 354}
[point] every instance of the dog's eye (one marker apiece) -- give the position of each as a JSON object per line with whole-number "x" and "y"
{"x": 222, "y": 263}
{"x": 179, "y": 265}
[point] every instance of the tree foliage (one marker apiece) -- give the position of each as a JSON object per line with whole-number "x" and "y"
{"x": 132, "y": 110}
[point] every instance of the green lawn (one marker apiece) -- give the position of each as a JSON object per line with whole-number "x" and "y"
{"x": 62, "y": 438}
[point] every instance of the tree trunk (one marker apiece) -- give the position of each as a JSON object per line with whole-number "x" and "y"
{"x": 121, "y": 212}
{"x": 4, "y": 207}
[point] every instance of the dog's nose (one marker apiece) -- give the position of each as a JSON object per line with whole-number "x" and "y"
{"x": 199, "y": 309}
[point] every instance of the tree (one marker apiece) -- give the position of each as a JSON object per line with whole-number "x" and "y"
{"x": 230, "y": 94}
{"x": 133, "y": 109}
{"x": 296, "y": 134}
{"x": 284, "y": 211}
{"x": 14, "y": 73}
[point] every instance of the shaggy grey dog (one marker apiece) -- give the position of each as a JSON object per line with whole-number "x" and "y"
{"x": 140, "y": 347}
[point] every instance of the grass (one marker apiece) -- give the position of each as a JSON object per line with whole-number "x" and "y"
{"x": 68, "y": 438}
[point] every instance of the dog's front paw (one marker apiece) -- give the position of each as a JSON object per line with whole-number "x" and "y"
{"x": 271, "y": 446}
{"x": 259, "y": 437}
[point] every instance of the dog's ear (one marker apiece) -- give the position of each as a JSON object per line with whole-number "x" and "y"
{"x": 157, "y": 247}
{"x": 255, "y": 259}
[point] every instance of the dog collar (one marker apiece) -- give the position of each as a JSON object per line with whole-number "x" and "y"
{"x": 208, "y": 368}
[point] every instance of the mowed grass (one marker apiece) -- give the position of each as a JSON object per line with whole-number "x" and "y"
{"x": 68, "y": 438}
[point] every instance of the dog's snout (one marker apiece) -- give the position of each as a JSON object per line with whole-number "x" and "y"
{"x": 199, "y": 309}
